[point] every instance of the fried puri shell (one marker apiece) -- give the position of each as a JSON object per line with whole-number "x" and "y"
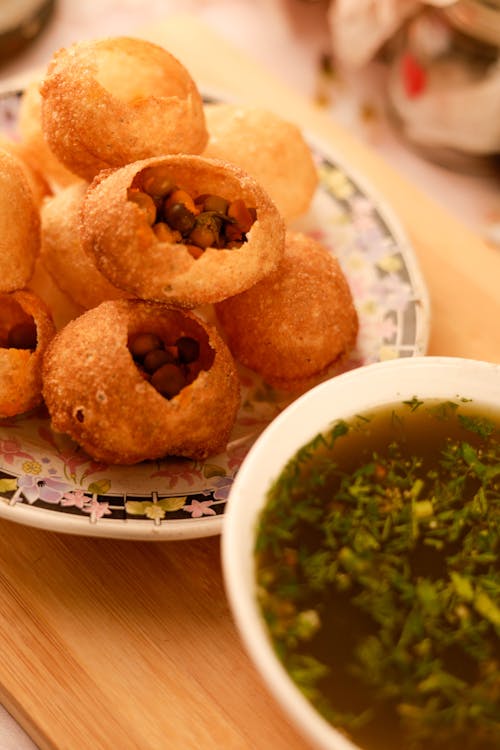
{"x": 95, "y": 392}
{"x": 62, "y": 254}
{"x": 295, "y": 323}
{"x": 37, "y": 182}
{"x": 21, "y": 369}
{"x": 116, "y": 233}
{"x": 269, "y": 148}
{"x": 19, "y": 225}
{"x": 35, "y": 148}
{"x": 61, "y": 307}
{"x": 109, "y": 102}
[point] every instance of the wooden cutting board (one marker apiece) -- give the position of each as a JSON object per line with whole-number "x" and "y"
{"x": 108, "y": 644}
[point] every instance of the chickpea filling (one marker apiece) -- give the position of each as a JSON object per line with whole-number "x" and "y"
{"x": 197, "y": 222}
{"x": 17, "y": 328}
{"x": 168, "y": 367}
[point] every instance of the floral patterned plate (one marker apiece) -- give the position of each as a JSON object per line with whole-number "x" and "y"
{"x": 48, "y": 482}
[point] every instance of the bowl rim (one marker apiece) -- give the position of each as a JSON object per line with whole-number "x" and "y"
{"x": 440, "y": 377}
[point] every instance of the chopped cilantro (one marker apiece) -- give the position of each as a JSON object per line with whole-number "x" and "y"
{"x": 377, "y": 565}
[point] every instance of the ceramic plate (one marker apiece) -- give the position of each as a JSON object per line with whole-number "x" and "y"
{"x": 48, "y": 482}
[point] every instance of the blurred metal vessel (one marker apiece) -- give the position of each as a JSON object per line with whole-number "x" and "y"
{"x": 20, "y": 23}
{"x": 444, "y": 84}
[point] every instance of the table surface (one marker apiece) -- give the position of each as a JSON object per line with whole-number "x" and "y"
{"x": 95, "y": 598}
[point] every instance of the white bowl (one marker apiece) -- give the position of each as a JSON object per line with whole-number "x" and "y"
{"x": 340, "y": 397}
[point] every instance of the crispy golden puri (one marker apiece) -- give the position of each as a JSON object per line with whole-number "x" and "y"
{"x": 269, "y": 148}
{"x": 99, "y": 390}
{"x": 35, "y": 148}
{"x": 109, "y": 102}
{"x": 297, "y": 321}
{"x": 62, "y": 254}
{"x": 26, "y": 328}
{"x": 19, "y": 225}
{"x": 37, "y": 182}
{"x": 122, "y": 235}
{"x": 62, "y": 308}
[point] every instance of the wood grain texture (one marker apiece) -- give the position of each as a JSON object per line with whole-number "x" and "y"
{"x": 108, "y": 644}
{"x": 129, "y": 645}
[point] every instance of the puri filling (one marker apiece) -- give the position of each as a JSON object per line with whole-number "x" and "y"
{"x": 17, "y": 328}
{"x": 197, "y": 222}
{"x": 169, "y": 367}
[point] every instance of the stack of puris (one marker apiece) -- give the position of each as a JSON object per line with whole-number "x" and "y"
{"x": 26, "y": 325}
{"x": 156, "y": 211}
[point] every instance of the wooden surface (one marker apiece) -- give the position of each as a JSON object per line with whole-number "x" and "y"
{"x": 109, "y": 644}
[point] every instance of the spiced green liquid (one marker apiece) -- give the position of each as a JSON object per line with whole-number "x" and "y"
{"x": 378, "y": 575}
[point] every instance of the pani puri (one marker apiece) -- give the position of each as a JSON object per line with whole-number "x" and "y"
{"x": 295, "y": 323}
{"x": 62, "y": 254}
{"x": 38, "y": 184}
{"x": 19, "y": 225}
{"x": 62, "y": 308}
{"x": 35, "y": 147}
{"x": 102, "y": 387}
{"x": 269, "y": 148}
{"x": 109, "y": 102}
{"x": 146, "y": 227}
{"x": 26, "y": 328}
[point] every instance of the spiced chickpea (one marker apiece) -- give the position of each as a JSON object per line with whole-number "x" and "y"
{"x": 123, "y": 406}
{"x": 182, "y": 229}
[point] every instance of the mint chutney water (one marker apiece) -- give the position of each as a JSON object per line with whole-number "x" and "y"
{"x": 378, "y": 575}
